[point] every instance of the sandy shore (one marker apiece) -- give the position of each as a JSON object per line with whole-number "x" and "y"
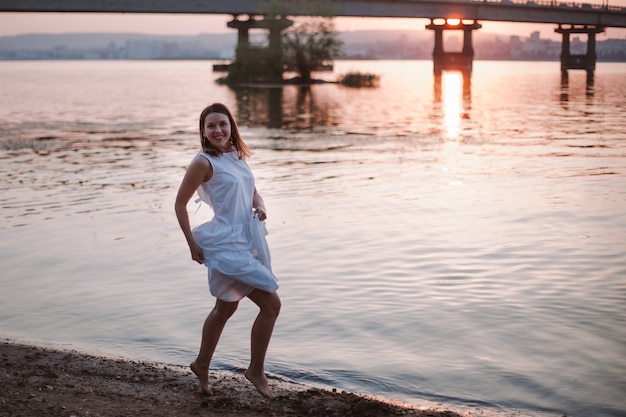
{"x": 45, "y": 382}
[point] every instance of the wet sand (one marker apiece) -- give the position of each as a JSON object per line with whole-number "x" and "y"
{"x": 45, "y": 382}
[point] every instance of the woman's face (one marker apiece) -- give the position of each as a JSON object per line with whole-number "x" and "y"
{"x": 217, "y": 131}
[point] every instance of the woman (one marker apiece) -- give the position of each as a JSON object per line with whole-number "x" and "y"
{"x": 232, "y": 245}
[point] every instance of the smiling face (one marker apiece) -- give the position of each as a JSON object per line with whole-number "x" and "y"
{"x": 217, "y": 130}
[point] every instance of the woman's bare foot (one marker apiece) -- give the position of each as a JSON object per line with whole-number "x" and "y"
{"x": 260, "y": 383}
{"x": 203, "y": 376}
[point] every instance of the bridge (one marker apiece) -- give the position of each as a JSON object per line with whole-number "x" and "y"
{"x": 531, "y": 11}
{"x": 571, "y": 18}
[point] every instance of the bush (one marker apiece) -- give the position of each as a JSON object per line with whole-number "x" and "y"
{"x": 359, "y": 79}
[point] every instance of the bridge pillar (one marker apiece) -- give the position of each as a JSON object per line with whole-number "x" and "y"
{"x": 443, "y": 60}
{"x": 253, "y": 63}
{"x": 579, "y": 61}
{"x": 275, "y": 25}
{"x": 243, "y": 37}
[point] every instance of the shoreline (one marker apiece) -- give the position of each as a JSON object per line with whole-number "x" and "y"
{"x": 51, "y": 382}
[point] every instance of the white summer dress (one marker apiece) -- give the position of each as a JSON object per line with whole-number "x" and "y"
{"x": 233, "y": 241}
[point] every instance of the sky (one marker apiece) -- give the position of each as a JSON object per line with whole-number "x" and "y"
{"x": 188, "y": 24}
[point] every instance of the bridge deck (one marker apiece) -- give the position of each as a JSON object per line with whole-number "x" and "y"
{"x": 537, "y": 11}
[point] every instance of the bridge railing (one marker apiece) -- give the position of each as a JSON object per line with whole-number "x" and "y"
{"x": 557, "y": 4}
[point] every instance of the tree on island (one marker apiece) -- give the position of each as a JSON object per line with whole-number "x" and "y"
{"x": 302, "y": 47}
{"x": 311, "y": 42}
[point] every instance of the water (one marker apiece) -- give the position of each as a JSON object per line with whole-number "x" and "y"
{"x": 455, "y": 242}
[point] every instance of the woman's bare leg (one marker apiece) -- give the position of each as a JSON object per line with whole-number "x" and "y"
{"x": 211, "y": 332}
{"x": 269, "y": 305}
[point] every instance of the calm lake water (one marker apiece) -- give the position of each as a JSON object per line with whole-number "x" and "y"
{"x": 454, "y": 241}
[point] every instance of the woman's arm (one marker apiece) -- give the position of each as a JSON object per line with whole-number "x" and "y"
{"x": 199, "y": 171}
{"x": 259, "y": 205}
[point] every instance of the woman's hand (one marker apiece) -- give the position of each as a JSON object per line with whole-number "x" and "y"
{"x": 196, "y": 253}
{"x": 261, "y": 213}
{"x": 259, "y": 205}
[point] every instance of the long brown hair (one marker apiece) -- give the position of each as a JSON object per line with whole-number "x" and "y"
{"x": 235, "y": 136}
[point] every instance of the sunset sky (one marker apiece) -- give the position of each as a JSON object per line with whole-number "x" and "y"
{"x": 187, "y": 24}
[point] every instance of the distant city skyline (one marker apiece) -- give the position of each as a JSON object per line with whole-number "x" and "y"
{"x": 191, "y": 24}
{"x": 372, "y": 44}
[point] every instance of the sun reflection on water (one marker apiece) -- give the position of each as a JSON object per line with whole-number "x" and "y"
{"x": 452, "y": 89}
